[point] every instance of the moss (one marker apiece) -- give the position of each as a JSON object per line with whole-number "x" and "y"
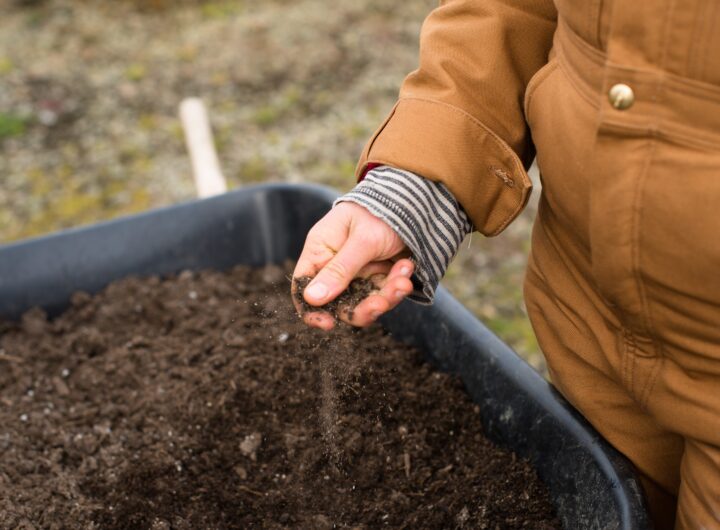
{"x": 254, "y": 170}
{"x": 148, "y": 122}
{"x": 141, "y": 164}
{"x": 36, "y": 18}
{"x": 221, "y": 10}
{"x": 337, "y": 174}
{"x": 65, "y": 198}
{"x": 135, "y": 72}
{"x": 187, "y": 53}
{"x": 12, "y": 125}
{"x": 41, "y": 184}
{"x": 358, "y": 131}
{"x": 323, "y": 99}
{"x": 176, "y": 131}
{"x": 288, "y": 101}
{"x": 6, "y": 66}
{"x": 266, "y": 115}
{"x": 292, "y": 96}
{"x": 223, "y": 137}
{"x": 219, "y": 78}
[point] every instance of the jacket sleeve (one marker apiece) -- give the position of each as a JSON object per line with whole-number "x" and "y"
{"x": 459, "y": 119}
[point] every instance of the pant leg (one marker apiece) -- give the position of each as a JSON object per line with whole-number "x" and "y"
{"x": 586, "y": 357}
{"x": 699, "y": 501}
{"x": 623, "y": 286}
{"x": 677, "y": 270}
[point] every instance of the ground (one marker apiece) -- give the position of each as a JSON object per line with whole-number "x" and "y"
{"x": 89, "y": 91}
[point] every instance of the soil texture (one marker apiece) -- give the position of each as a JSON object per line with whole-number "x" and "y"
{"x": 201, "y": 401}
{"x": 347, "y": 301}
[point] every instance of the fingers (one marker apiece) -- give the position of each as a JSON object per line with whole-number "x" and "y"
{"x": 349, "y": 242}
{"x": 319, "y": 319}
{"x": 337, "y": 273}
{"x": 396, "y": 286}
{"x": 376, "y": 268}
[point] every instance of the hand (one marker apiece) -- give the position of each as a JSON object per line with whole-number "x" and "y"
{"x": 348, "y": 242}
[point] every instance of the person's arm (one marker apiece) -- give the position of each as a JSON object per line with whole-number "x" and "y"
{"x": 423, "y": 213}
{"x": 459, "y": 121}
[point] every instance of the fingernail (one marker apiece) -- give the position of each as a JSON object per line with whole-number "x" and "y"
{"x": 399, "y": 295}
{"x": 374, "y": 315}
{"x": 317, "y": 290}
{"x": 405, "y": 271}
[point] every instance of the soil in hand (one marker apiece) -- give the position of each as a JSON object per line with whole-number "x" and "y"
{"x": 347, "y": 301}
{"x": 201, "y": 401}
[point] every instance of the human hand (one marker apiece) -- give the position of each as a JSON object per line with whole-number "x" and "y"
{"x": 351, "y": 242}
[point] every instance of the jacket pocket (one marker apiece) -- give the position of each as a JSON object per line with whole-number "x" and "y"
{"x": 535, "y": 81}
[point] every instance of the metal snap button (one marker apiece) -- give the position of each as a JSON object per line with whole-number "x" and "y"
{"x": 621, "y": 96}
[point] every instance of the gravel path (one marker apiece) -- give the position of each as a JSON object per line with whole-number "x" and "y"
{"x": 89, "y": 91}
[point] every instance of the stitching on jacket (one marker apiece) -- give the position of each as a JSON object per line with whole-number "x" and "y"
{"x": 703, "y": 59}
{"x": 636, "y": 240}
{"x": 502, "y": 175}
{"x": 535, "y": 81}
{"x": 521, "y": 193}
{"x": 652, "y": 379}
{"x": 575, "y": 81}
{"x": 366, "y": 152}
{"x": 501, "y": 143}
{"x": 636, "y": 236}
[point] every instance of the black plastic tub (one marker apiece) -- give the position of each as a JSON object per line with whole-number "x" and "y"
{"x": 591, "y": 484}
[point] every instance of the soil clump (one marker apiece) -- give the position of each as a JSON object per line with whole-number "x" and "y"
{"x": 347, "y": 301}
{"x": 199, "y": 401}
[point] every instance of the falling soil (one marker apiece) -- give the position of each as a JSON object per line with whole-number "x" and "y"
{"x": 355, "y": 293}
{"x": 201, "y": 401}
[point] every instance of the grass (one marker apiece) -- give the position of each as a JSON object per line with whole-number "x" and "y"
{"x": 12, "y": 125}
{"x": 6, "y": 66}
{"x": 135, "y": 72}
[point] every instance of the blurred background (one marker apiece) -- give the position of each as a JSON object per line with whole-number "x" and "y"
{"x": 89, "y": 128}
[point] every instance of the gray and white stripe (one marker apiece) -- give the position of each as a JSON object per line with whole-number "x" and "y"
{"x": 426, "y": 216}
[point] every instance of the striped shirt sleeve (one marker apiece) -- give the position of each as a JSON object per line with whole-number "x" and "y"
{"x": 426, "y": 216}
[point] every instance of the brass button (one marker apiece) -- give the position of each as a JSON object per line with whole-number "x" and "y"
{"x": 621, "y": 96}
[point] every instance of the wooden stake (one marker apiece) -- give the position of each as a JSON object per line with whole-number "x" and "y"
{"x": 209, "y": 179}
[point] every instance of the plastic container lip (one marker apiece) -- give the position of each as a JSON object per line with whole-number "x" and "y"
{"x": 591, "y": 484}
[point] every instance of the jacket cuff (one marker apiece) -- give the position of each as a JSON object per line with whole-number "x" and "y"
{"x": 423, "y": 213}
{"x": 445, "y": 144}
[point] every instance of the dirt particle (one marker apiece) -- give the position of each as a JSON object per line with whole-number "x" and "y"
{"x": 160, "y": 524}
{"x": 347, "y": 301}
{"x": 240, "y": 472}
{"x": 250, "y": 444}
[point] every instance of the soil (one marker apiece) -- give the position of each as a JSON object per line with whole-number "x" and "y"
{"x": 89, "y": 128}
{"x": 201, "y": 401}
{"x": 347, "y": 301}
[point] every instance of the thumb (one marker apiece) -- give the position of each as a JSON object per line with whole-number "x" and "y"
{"x": 337, "y": 274}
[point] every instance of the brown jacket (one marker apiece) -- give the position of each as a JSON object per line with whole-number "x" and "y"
{"x": 623, "y": 285}
{"x": 461, "y": 117}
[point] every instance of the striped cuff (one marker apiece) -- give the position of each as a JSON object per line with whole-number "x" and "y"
{"x": 425, "y": 215}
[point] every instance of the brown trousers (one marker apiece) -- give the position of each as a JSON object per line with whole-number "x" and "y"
{"x": 623, "y": 285}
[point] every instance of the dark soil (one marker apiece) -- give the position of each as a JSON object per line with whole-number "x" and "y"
{"x": 201, "y": 401}
{"x": 347, "y": 301}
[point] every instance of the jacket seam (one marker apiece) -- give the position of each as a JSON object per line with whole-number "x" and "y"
{"x": 532, "y": 87}
{"x": 522, "y": 194}
{"x": 487, "y": 130}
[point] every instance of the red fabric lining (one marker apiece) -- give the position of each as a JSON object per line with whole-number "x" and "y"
{"x": 369, "y": 167}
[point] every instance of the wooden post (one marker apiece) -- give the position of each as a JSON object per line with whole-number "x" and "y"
{"x": 209, "y": 179}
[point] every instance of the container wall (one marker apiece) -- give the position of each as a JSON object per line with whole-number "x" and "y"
{"x": 592, "y": 485}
